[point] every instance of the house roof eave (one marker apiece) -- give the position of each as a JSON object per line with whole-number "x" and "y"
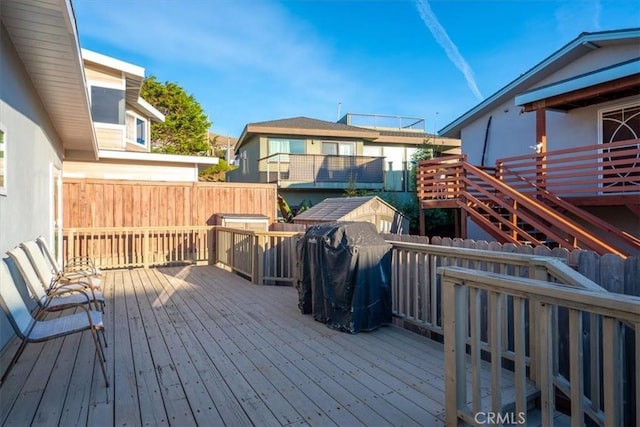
{"x": 576, "y": 48}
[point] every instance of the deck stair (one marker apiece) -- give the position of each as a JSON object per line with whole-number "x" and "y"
{"x": 530, "y": 214}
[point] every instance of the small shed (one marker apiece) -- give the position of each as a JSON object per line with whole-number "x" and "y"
{"x": 243, "y": 221}
{"x": 366, "y": 208}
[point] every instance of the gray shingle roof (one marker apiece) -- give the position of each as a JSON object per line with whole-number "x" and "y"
{"x": 309, "y": 123}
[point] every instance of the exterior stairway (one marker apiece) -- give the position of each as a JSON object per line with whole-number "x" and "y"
{"x": 519, "y": 208}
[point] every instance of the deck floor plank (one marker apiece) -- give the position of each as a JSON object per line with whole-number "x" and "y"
{"x": 126, "y": 402}
{"x": 327, "y": 368}
{"x": 332, "y": 408}
{"x": 201, "y": 346}
{"x": 200, "y": 402}
{"x": 210, "y": 338}
{"x": 192, "y": 334}
{"x": 53, "y": 399}
{"x": 161, "y": 340}
{"x": 282, "y": 410}
{"x": 275, "y": 366}
{"x": 152, "y": 409}
{"x": 101, "y": 410}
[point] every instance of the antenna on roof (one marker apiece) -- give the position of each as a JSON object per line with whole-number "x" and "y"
{"x": 339, "y": 108}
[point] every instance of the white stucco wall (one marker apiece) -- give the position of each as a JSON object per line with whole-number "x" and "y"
{"x": 33, "y": 149}
{"x": 512, "y": 132}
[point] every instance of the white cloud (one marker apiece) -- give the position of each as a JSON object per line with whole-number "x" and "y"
{"x": 443, "y": 39}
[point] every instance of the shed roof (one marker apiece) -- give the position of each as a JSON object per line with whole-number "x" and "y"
{"x": 336, "y": 208}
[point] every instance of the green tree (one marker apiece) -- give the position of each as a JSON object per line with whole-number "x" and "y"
{"x": 410, "y": 207}
{"x": 185, "y": 129}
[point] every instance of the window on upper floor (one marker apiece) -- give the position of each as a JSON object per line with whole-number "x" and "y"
{"x": 136, "y": 129}
{"x": 288, "y": 146}
{"x": 333, "y": 148}
{"x": 107, "y": 105}
{"x": 285, "y": 146}
{"x": 3, "y": 162}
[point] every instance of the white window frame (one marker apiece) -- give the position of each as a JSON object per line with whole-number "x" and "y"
{"x": 339, "y": 144}
{"x": 5, "y": 163}
{"x": 283, "y": 156}
{"x": 101, "y": 125}
{"x": 147, "y": 129}
{"x": 601, "y": 112}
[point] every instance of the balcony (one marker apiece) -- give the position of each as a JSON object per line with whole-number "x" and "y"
{"x": 322, "y": 171}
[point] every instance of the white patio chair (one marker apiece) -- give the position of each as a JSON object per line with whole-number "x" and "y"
{"x": 51, "y": 280}
{"x": 59, "y": 296}
{"x": 30, "y": 330}
{"x": 77, "y": 268}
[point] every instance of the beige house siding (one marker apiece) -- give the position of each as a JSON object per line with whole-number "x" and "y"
{"x": 100, "y": 74}
{"x": 109, "y": 138}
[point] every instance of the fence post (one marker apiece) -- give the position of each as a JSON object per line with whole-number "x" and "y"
{"x": 70, "y": 245}
{"x": 454, "y": 325}
{"x": 145, "y": 248}
{"x": 258, "y": 259}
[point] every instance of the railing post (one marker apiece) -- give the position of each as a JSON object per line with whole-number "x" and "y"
{"x": 546, "y": 356}
{"x": 70, "y": 246}
{"x": 455, "y": 323}
{"x": 258, "y": 257}
{"x": 145, "y": 248}
{"x": 612, "y": 368}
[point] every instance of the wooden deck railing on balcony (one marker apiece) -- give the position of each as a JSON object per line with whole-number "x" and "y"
{"x": 513, "y": 216}
{"x": 590, "y": 170}
{"x": 462, "y": 292}
{"x": 261, "y": 257}
{"x": 116, "y": 247}
{"x": 320, "y": 168}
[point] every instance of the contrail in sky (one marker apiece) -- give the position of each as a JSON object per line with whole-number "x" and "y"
{"x": 445, "y": 42}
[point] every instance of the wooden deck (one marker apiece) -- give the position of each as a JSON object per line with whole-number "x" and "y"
{"x": 201, "y": 346}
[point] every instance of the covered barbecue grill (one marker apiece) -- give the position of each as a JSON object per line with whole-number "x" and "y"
{"x": 345, "y": 276}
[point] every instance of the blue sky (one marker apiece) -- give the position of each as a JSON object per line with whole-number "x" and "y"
{"x": 255, "y": 60}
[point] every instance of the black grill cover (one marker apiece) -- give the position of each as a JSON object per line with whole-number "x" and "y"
{"x": 345, "y": 276}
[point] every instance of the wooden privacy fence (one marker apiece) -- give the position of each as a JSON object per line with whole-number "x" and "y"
{"x": 261, "y": 257}
{"x": 111, "y": 203}
{"x": 462, "y": 291}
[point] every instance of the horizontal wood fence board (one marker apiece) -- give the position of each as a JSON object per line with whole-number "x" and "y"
{"x": 112, "y": 203}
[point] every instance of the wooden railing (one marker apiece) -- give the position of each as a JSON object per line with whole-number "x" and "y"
{"x": 116, "y": 247}
{"x": 511, "y": 216}
{"x": 322, "y": 169}
{"x": 261, "y": 257}
{"x": 416, "y": 287}
{"x": 591, "y": 170}
{"x": 611, "y": 314}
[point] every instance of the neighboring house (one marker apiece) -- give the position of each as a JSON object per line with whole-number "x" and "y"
{"x": 122, "y": 122}
{"x": 312, "y": 159}
{"x": 582, "y": 99}
{"x": 44, "y": 113}
{"x": 224, "y": 143}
